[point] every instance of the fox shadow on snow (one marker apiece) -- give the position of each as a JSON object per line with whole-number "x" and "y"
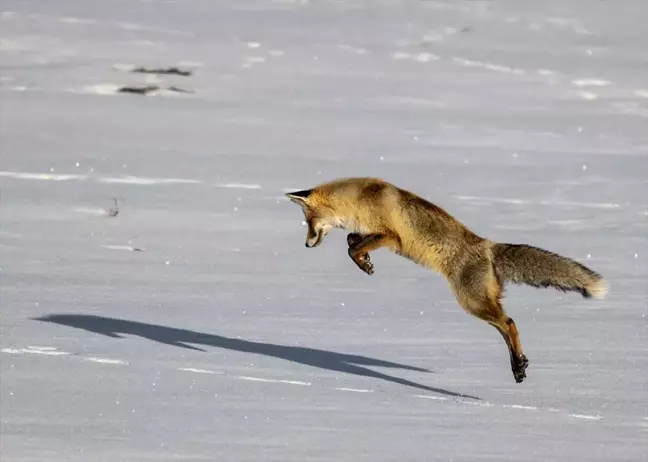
{"x": 323, "y": 359}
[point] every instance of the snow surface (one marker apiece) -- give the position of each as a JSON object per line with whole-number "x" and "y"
{"x": 158, "y": 302}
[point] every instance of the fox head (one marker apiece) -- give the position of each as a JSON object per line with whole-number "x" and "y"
{"x": 319, "y": 215}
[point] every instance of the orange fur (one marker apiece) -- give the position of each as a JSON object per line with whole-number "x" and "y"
{"x": 379, "y": 214}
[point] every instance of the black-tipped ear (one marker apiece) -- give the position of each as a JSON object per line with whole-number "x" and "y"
{"x": 300, "y": 197}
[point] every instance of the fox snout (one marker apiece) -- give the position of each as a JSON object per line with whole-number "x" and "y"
{"x": 314, "y": 237}
{"x": 316, "y": 228}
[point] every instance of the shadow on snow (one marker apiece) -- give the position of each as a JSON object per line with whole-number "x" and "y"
{"x": 183, "y": 338}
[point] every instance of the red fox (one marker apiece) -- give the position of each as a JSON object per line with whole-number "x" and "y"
{"x": 379, "y": 214}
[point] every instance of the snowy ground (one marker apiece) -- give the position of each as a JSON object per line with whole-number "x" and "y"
{"x": 224, "y": 338}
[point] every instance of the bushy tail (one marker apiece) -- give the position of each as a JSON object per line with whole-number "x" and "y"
{"x": 524, "y": 264}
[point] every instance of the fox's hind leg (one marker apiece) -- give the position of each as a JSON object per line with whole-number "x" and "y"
{"x": 479, "y": 292}
{"x": 360, "y": 246}
{"x": 519, "y": 362}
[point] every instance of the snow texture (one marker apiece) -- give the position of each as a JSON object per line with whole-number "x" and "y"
{"x": 158, "y": 302}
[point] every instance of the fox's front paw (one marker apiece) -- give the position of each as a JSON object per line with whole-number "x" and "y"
{"x": 364, "y": 263}
{"x": 367, "y": 267}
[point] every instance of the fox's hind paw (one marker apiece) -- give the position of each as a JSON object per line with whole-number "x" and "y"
{"x": 519, "y": 371}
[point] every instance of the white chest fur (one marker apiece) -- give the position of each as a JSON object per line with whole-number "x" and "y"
{"x": 350, "y": 225}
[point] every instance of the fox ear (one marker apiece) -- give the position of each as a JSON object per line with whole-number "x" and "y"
{"x": 300, "y": 197}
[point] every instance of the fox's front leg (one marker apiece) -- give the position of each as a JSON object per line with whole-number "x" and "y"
{"x": 360, "y": 246}
{"x": 363, "y": 261}
{"x": 354, "y": 238}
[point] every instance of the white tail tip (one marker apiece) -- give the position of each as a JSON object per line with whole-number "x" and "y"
{"x": 599, "y": 289}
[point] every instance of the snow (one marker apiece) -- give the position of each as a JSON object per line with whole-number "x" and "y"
{"x": 226, "y": 339}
